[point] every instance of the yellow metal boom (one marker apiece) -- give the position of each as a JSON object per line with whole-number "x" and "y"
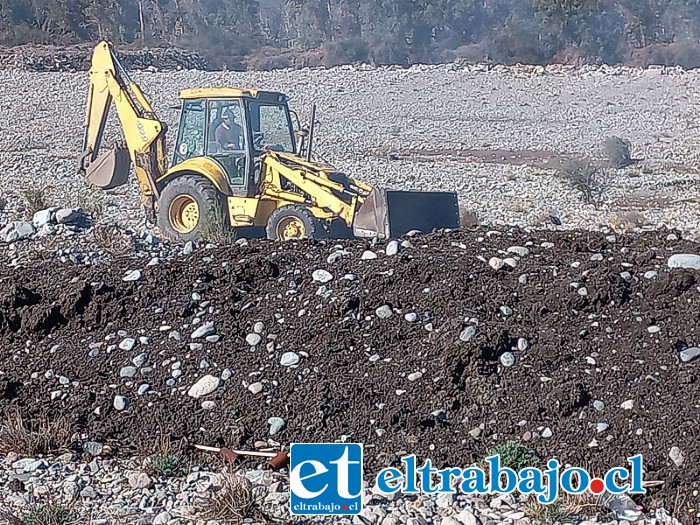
{"x": 143, "y": 131}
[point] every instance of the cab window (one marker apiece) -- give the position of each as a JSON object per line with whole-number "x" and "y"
{"x": 271, "y": 127}
{"x": 191, "y": 133}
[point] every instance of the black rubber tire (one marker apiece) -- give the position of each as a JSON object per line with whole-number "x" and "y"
{"x": 311, "y": 225}
{"x": 210, "y": 202}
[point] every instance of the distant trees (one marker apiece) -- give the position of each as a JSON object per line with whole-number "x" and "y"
{"x": 378, "y": 31}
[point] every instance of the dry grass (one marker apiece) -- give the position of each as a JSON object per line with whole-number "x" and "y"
{"x": 235, "y": 500}
{"x": 166, "y": 462}
{"x": 37, "y": 199}
{"x": 50, "y": 513}
{"x": 29, "y": 438}
{"x": 110, "y": 240}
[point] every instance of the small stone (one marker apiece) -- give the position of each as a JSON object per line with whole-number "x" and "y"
{"x": 67, "y": 216}
{"x": 322, "y": 276}
{"x": 289, "y": 359}
{"x": 392, "y": 248}
{"x": 368, "y": 255}
{"x": 277, "y": 424}
{"x": 507, "y": 359}
{"x": 120, "y": 402}
{"x": 204, "y": 330}
{"x": 188, "y": 248}
{"x": 255, "y": 388}
{"x": 259, "y": 327}
{"x": 547, "y": 433}
{"x": 411, "y": 317}
{"x": 253, "y": 339}
{"x": 415, "y": 376}
{"x": 139, "y": 480}
{"x": 519, "y": 250}
{"x": 506, "y": 310}
{"x": 650, "y": 274}
{"x": 523, "y": 279}
{"x": 205, "y": 386}
{"x": 467, "y": 333}
{"x": 677, "y": 456}
{"x": 208, "y": 405}
{"x": 134, "y": 275}
{"x": 93, "y": 447}
{"x": 128, "y": 371}
{"x": 143, "y": 389}
{"x": 598, "y": 405}
{"x": 523, "y": 344}
{"x": 627, "y": 405}
{"x": 601, "y": 427}
{"x": 140, "y": 360}
{"x": 689, "y": 354}
{"x": 127, "y": 344}
{"x": 384, "y": 312}
{"x": 162, "y": 519}
{"x": 654, "y": 329}
{"x": 684, "y": 260}
{"x": 583, "y": 291}
{"x": 496, "y": 263}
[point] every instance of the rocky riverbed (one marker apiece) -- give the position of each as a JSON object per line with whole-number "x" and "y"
{"x": 566, "y": 328}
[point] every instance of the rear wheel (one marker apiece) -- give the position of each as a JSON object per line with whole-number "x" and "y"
{"x": 188, "y": 206}
{"x": 291, "y": 222}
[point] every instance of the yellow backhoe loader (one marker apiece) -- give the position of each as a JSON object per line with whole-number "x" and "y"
{"x": 238, "y": 164}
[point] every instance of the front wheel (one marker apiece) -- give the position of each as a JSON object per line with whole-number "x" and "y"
{"x": 190, "y": 209}
{"x": 291, "y": 222}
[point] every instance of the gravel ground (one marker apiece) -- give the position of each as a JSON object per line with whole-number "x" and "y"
{"x": 447, "y": 348}
{"x": 365, "y": 111}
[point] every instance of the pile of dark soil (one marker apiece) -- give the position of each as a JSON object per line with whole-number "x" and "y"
{"x": 601, "y": 327}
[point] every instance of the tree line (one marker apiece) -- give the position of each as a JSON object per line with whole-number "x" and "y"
{"x": 270, "y": 33}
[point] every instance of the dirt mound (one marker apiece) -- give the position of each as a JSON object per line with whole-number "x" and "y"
{"x": 604, "y": 319}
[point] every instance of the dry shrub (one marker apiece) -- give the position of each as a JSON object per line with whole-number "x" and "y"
{"x": 590, "y": 180}
{"x": 38, "y": 436}
{"x": 629, "y": 220}
{"x": 235, "y": 500}
{"x": 467, "y": 218}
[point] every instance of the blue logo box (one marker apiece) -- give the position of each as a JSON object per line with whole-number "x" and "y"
{"x": 325, "y": 478}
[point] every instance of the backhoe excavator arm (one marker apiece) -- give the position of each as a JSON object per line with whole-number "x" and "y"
{"x": 339, "y": 197}
{"x": 143, "y": 132}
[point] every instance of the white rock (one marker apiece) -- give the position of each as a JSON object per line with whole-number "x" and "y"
{"x": 684, "y": 260}
{"x": 677, "y": 456}
{"x": 133, "y": 275}
{"x": 289, "y": 359}
{"x": 368, "y": 255}
{"x": 41, "y": 218}
{"x": 322, "y": 276}
{"x": 627, "y": 405}
{"x": 204, "y": 330}
{"x": 496, "y": 263}
{"x": 392, "y": 248}
{"x": 67, "y": 216}
{"x": 205, "y": 386}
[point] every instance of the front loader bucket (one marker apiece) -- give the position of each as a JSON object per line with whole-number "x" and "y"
{"x": 390, "y": 214}
{"x": 110, "y": 169}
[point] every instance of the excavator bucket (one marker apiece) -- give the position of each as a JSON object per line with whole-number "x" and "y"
{"x": 110, "y": 169}
{"x": 390, "y": 214}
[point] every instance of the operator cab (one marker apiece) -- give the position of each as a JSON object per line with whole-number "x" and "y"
{"x": 232, "y": 127}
